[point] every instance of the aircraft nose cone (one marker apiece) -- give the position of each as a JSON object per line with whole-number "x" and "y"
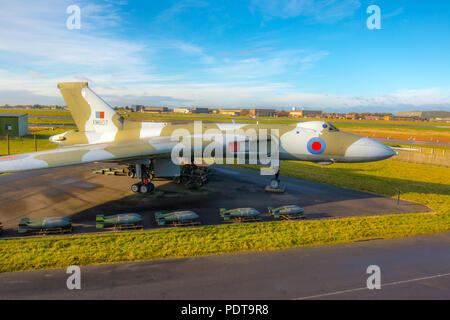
{"x": 366, "y": 149}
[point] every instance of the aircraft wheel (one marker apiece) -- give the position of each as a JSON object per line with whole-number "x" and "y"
{"x": 135, "y": 187}
{"x": 147, "y": 188}
{"x": 274, "y": 183}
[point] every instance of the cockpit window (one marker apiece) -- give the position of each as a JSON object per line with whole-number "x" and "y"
{"x": 332, "y": 128}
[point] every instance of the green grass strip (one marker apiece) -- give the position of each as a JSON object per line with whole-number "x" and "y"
{"x": 60, "y": 252}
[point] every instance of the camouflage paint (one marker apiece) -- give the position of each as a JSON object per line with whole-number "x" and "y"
{"x": 113, "y": 138}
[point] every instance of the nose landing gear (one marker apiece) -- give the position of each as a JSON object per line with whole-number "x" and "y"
{"x": 275, "y": 184}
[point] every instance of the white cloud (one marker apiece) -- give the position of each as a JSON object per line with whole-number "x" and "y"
{"x": 40, "y": 32}
{"x": 273, "y": 63}
{"x": 25, "y": 90}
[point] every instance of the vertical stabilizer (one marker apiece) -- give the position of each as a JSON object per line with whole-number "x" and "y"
{"x": 89, "y": 111}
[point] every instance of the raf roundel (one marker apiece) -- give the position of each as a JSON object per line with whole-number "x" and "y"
{"x": 316, "y": 145}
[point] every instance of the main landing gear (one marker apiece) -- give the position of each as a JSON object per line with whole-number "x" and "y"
{"x": 145, "y": 172}
{"x": 192, "y": 176}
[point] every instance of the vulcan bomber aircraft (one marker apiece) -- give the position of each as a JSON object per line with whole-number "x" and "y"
{"x": 103, "y": 135}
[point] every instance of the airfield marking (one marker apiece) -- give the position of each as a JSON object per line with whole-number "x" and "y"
{"x": 365, "y": 288}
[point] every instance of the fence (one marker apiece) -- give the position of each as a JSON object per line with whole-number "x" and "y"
{"x": 440, "y": 157}
{"x": 12, "y": 145}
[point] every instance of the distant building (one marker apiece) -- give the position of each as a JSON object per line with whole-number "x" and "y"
{"x": 305, "y": 113}
{"x": 230, "y": 112}
{"x": 373, "y": 117}
{"x": 296, "y": 114}
{"x": 283, "y": 113}
{"x": 181, "y": 110}
{"x": 200, "y": 110}
{"x": 262, "y": 113}
{"x": 401, "y": 118}
{"x": 155, "y": 109}
{"x": 424, "y": 115}
{"x": 140, "y": 108}
{"x": 13, "y": 124}
{"x": 333, "y": 115}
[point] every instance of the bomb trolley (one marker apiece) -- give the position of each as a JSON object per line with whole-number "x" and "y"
{"x": 290, "y": 212}
{"x": 177, "y": 218}
{"x": 239, "y": 215}
{"x": 119, "y": 221}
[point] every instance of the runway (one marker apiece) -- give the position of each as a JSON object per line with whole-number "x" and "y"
{"x": 77, "y": 193}
{"x": 411, "y": 268}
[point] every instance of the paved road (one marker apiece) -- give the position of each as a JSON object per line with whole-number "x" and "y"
{"x": 411, "y": 268}
{"x": 77, "y": 193}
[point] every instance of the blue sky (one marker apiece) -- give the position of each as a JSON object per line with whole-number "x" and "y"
{"x": 255, "y": 53}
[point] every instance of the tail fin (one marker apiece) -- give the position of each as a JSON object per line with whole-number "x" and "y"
{"x": 89, "y": 111}
{"x": 160, "y": 218}
{"x": 224, "y": 214}
{"x": 23, "y": 225}
{"x": 24, "y": 222}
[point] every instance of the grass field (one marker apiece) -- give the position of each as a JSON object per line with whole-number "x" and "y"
{"x": 49, "y": 121}
{"x": 421, "y": 183}
{"x": 180, "y": 116}
{"x": 398, "y": 132}
{"x": 26, "y": 144}
{"x": 45, "y": 112}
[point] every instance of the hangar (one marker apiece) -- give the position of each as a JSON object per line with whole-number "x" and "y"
{"x": 14, "y": 124}
{"x": 425, "y": 115}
